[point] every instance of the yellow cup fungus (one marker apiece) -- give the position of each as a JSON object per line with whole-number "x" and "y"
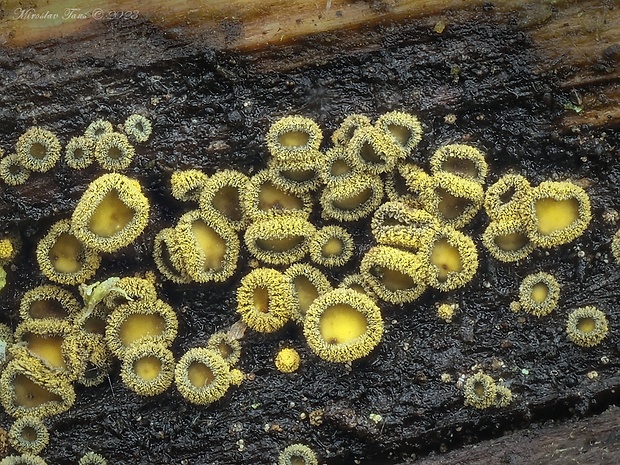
{"x": 450, "y": 257}
{"x": 503, "y": 396}
{"x": 507, "y": 240}
{"x": 98, "y": 128}
{"x": 297, "y": 176}
{"x": 264, "y": 300}
{"x": 293, "y": 137}
{"x": 508, "y": 199}
{"x": 91, "y": 324}
{"x": 394, "y": 275}
{"x": 168, "y": 256}
{"x": 28, "y": 435}
{"x": 24, "y": 459}
{"x": 139, "y": 321}
{"x": 33, "y": 391}
{"x": 587, "y": 326}
{"x": 287, "y": 360}
{"x": 337, "y": 166}
{"x": 560, "y": 213}
{"x": 53, "y": 343}
{"x": 92, "y": 458}
{"x": 208, "y": 245}
{"x": 331, "y": 246}
{"x": 409, "y": 238}
{"x": 452, "y": 199}
{"x": 262, "y": 198}
{"x": 80, "y": 152}
{"x": 113, "y": 151}
{"x": 138, "y": 127}
{"x": 539, "y": 293}
{"x": 48, "y": 302}
{"x": 306, "y": 284}
{"x": 343, "y": 325}
{"x": 615, "y": 246}
{"x": 187, "y": 185}
{"x": 395, "y": 184}
{"x": 228, "y": 347}
{"x": 357, "y": 282}
{"x": 297, "y": 454}
{"x": 12, "y": 172}
{"x": 279, "y": 240}
{"x": 394, "y": 214}
{"x": 404, "y": 130}
{"x": 460, "y": 160}
{"x": 370, "y": 150}
{"x": 38, "y": 149}
{"x": 416, "y": 180}
{"x": 95, "y": 374}
{"x": 147, "y": 368}
{"x": 347, "y": 128}
{"x": 111, "y": 214}
{"x": 222, "y": 195}
{"x": 203, "y": 377}
{"x": 62, "y": 258}
{"x": 7, "y": 250}
{"x": 354, "y": 198}
{"x": 480, "y": 391}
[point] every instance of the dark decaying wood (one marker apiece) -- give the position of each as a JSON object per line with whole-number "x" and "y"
{"x": 534, "y": 85}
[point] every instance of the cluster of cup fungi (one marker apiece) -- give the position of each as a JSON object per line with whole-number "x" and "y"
{"x": 416, "y": 220}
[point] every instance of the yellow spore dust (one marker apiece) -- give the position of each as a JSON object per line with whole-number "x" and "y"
{"x": 342, "y": 323}
{"x": 110, "y": 216}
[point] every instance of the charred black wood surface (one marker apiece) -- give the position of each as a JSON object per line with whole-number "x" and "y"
{"x": 211, "y": 110}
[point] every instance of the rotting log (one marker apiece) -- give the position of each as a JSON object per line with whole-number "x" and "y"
{"x": 535, "y": 85}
